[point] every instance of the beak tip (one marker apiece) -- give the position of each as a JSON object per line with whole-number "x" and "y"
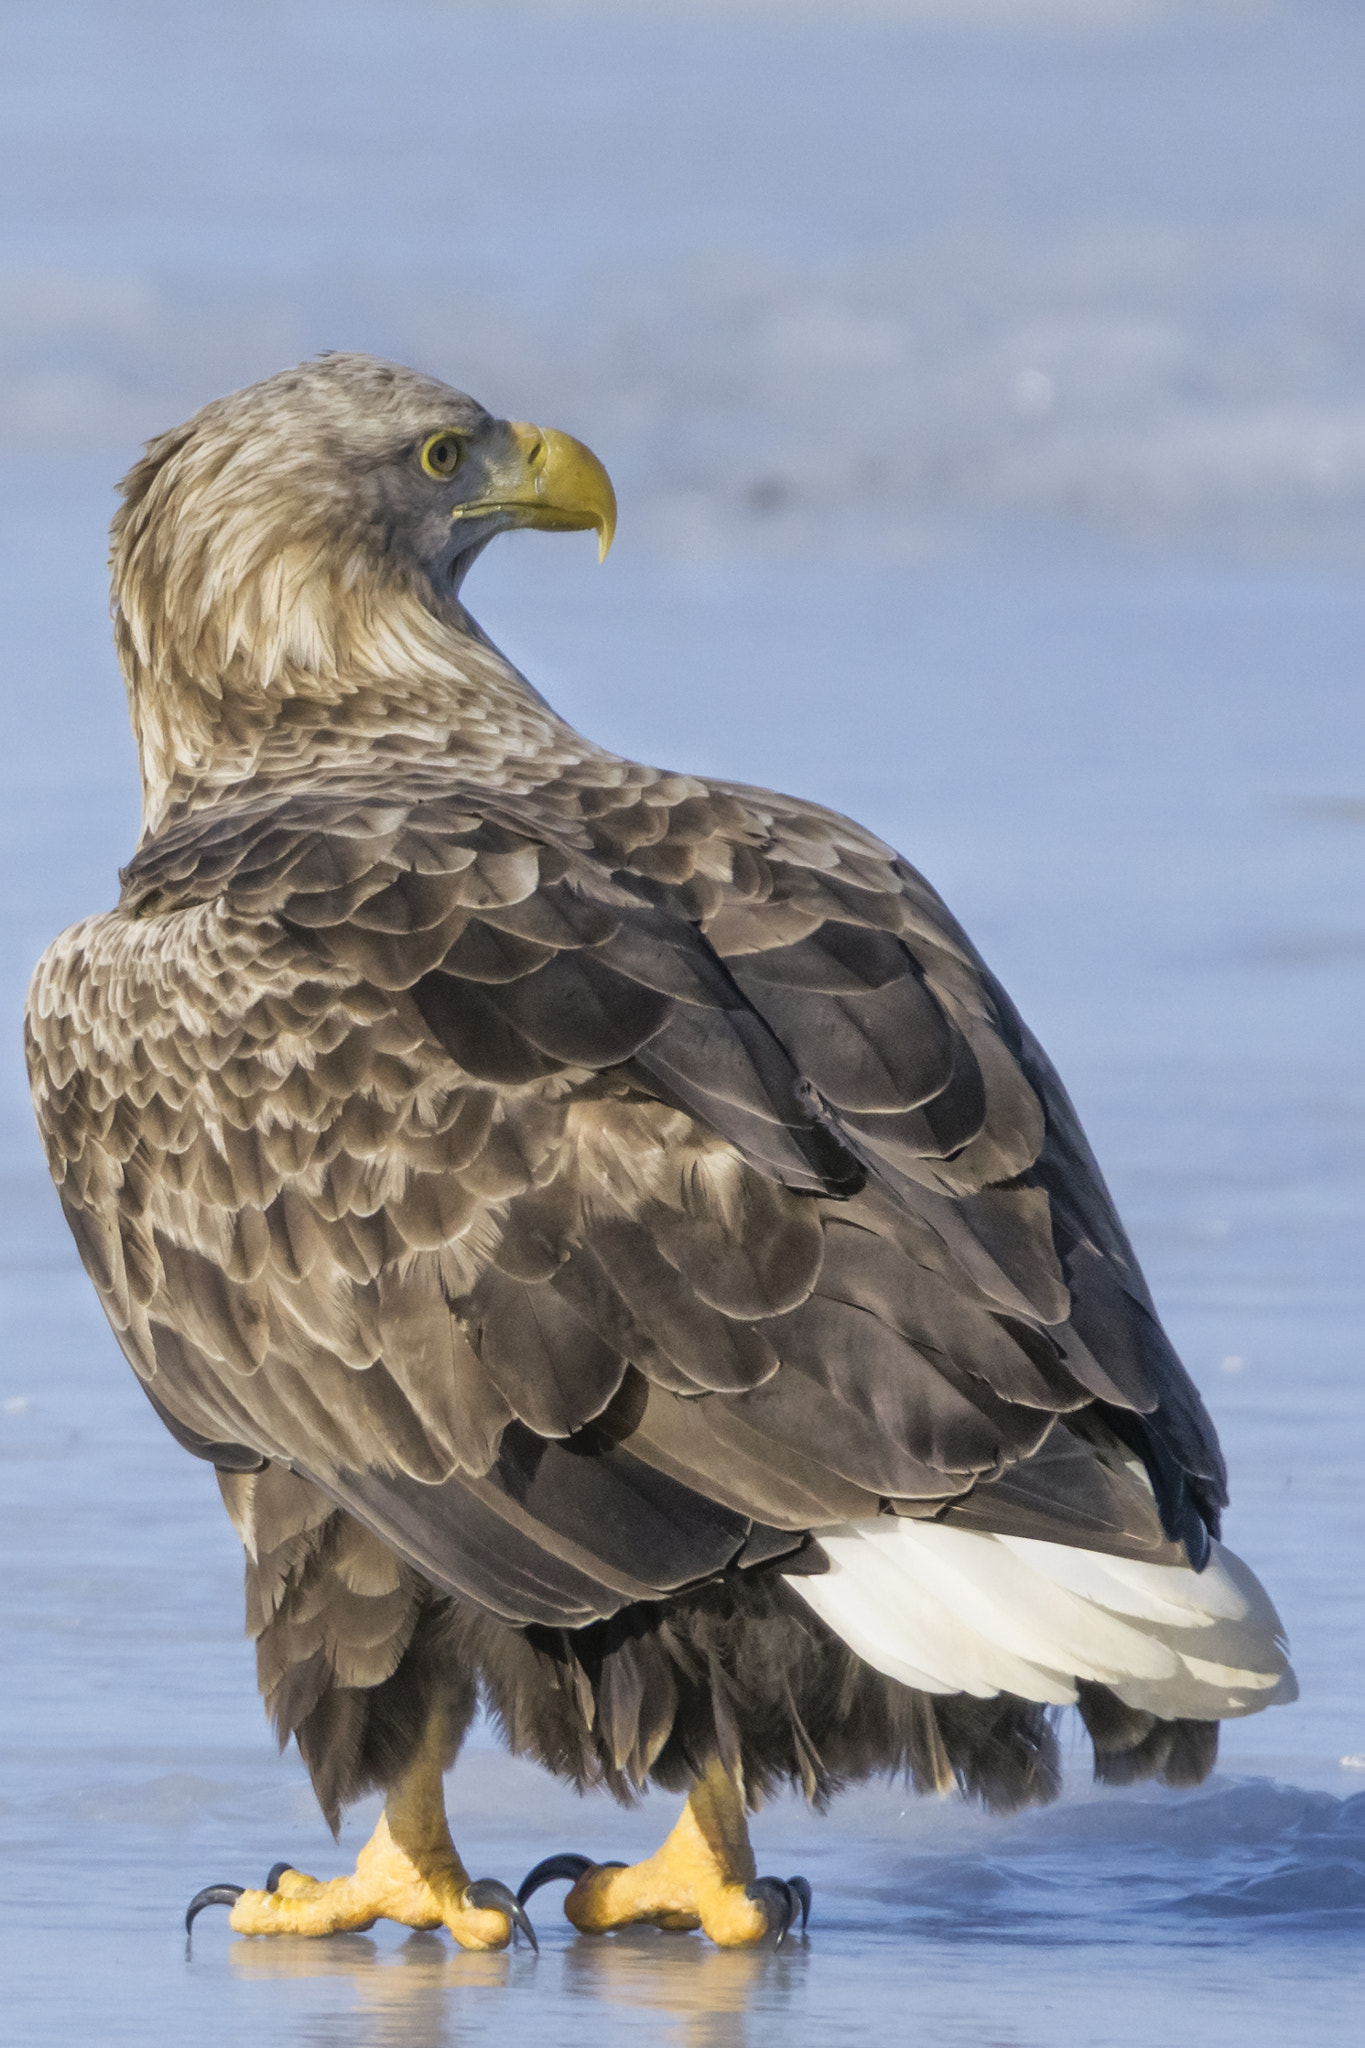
{"x": 562, "y": 485}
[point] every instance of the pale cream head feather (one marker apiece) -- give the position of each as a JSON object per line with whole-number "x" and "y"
{"x": 287, "y": 545}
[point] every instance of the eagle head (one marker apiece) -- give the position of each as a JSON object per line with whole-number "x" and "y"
{"x": 306, "y": 539}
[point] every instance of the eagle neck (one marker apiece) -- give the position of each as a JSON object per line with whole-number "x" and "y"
{"x": 415, "y": 689}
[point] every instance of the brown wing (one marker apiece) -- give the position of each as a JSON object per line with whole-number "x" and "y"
{"x": 921, "y": 1063}
{"x": 597, "y": 1191}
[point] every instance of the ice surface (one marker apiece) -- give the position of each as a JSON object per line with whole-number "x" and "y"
{"x": 985, "y": 387}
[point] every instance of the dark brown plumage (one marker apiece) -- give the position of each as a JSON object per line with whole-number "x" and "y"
{"x": 552, "y": 1191}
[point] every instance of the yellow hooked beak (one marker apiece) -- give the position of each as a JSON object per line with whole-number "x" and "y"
{"x": 550, "y": 481}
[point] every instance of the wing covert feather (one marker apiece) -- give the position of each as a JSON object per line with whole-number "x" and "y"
{"x": 530, "y": 1170}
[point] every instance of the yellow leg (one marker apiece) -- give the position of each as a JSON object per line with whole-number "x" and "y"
{"x": 408, "y": 1871}
{"x": 703, "y": 1876}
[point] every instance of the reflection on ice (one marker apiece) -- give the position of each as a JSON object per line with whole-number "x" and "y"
{"x": 419, "y": 1992}
{"x": 398, "y": 1998}
{"x": 674, "y": 1976}
{"x": 681, "y": 1975}
{"x": 422, "y": 1964}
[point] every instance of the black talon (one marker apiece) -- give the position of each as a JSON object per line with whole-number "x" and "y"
{"x": 492, "y": 1892}
{"x": 800, "y": 1887}
{"x": 566, "y": 1865}
{"x": 212, "y": 1895}
{"x": 778, "y": 1901}
{"x": 277, "y": 1870}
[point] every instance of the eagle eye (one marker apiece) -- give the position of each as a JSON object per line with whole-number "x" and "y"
{"x": 441, "y": 455}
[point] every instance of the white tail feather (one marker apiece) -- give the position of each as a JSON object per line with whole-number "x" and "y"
{"x": 952, "y": 1610}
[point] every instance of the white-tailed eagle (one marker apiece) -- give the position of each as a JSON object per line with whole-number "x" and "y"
{"x": 617, "y": 1243}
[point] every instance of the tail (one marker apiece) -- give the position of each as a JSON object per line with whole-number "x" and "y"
{"x": 953, "y": 1611}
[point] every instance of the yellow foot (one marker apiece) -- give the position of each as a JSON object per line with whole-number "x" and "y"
{"x": 386, "y": 1884}
{"x": 686, "y": 1884}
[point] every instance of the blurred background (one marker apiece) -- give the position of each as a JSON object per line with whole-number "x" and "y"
{"x": 885, "y": 280}
{"x": 984, "y": 386}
